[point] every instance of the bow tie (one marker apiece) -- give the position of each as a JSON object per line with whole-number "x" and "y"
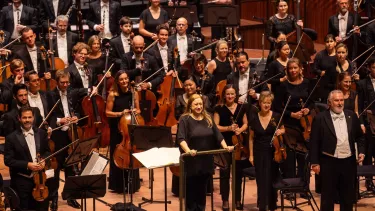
{"x": 28, "y": 133}
{"x": 63, "y": 93}
{"x": 33, "y": 96}
{"x": 338, "y": 116}
{"x": 62, "y": 36}
{"x": 373, "y": 80}
{"x": 164, "y": 48}
{"x": 342, "y": 17}
{"x": 181, "y": 37}
{"x": 31, "y": 49}
{"x": 104, "y": 4}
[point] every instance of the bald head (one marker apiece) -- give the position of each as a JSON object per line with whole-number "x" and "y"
{"x": 181, "y": 25}
{"x": 138, "y": 44}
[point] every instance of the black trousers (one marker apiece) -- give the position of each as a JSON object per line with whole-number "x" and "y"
{"x": 338, "y": 173}
{"x": 370, "y": 147}
{"x": 196, "y": 192}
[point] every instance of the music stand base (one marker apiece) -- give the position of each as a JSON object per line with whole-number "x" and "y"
{"x": 128, "y": 207}
{"x": 151, "y": 201}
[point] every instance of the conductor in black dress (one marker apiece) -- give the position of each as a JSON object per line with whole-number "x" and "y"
{"x": 333, "y": 134}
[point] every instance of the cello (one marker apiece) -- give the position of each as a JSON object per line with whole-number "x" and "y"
{"x": 55, "y": 62}
{"x": 108, "y": 81}
{"x": 46, "y": 84}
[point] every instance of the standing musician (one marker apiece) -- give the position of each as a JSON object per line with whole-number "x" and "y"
{"x": 278, "y": 66}
{"x": 36, "y": 97}
{"x": 333, "y": 153}
{"x": 15, "y": 17}
{"x": 122, "y": 43}
{"x": 198, "y": 132}
{"x": 134, "y": 67}
{"x": 231, "y": 120}
{"x": 370, "y": 34}
{"x": 21, "y": 149}
{"x": 344, "y": 82}
{"x": 280, "y": 36}
{"x": 20, "y": 95}
{"x": 30, "y": 54}
{"x": 65, "y": 40}
{"x": 103, "y": 17}
{"x": 281, "y": 22}
{"x": 17, "y": 68}
{"x": 119, "y": 102}
{"x": 61, "y": 115}
{"x": 96, "y": 58}
{"x": 262, "y": 130}
{"x": 49, "y": 10}
{"x": 366, "y": 95}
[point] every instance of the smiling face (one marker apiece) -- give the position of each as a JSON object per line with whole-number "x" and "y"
{"x": 197, "y": 106}
{"x": 294, "y": 71}
{"x": 123, "y": 81}
{"x": 222, "y": 50}
{"x": 26, "y": 119}
{"x": 336, "y": 102}
{"x": 346, "y": 83}
{"x": 230, "y": 96}
{"x": 190, "y": 87}
{"x": 282, "y": 8}
{"x": 265, "y": 104}
{"x": 163, "y": 36}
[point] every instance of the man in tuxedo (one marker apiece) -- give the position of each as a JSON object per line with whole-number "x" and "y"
{"x": 17, "y": 70}
{"x": 21, "y": 149}
{"x": 50, "y": 9}
{"x": 333, "y": 155}
{"x": 366, "y": 96}
{"x": 121, "y": 44}
{"x": 36, "y": 97}
{"x": 139, "y": 70}
{"x": 10, "y": 118}
{"x": 16, "y": 17}
{"x": 103, "y": 17}
{"x": 61, "y": 115}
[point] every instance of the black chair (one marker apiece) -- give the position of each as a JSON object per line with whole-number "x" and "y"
{"x": 297, "y": 185}
{"x": 364, "y": 171}
{"x": 247, "y": 173}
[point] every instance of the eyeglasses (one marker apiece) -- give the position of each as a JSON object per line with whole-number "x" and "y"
{"x": 64, "y": 82}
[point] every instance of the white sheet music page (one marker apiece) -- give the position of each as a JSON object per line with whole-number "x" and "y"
{"x": 158, "y": 157}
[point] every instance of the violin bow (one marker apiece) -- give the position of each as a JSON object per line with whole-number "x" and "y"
{"x": 281, "y": 118}
{"x": 351, "y": 31}
{"x": 151, "y": 75}
{"x": 364, "y": 62}
{"x": 50, "y": 112}
{"x": 261, "y": 83}
{"x": 363, "y": 53}
{"x": 312, "y": 91}
{"x": 17, "y": 39}
{"x": 100, "y": 82}
{"x": 366, "y": 108}
{"x": 152, "y": 44}
{"x": 67, "y": 124}
{"x": 299, "y": 42}
{"x": 3, "y": 68}
{"x": 57, "y": 152}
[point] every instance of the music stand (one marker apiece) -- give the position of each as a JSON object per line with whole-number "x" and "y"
{"x": 83, "y": 187}
{"x": 145, "y": 138}
{"x": 221, "y": 15}
{"x": 82, "y": 151}
{"x": 188, "y": 12}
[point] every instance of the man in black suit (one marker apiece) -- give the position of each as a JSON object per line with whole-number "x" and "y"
{"x": 333, "y": 155}
{"x": 61, "y": 115}
{"x": 50, "y": 9}
{"x": 137, "y": 71}
{"x": 21, "y": 149}
{"x": 370, "y": 34}
{"x": 17, "y": 70}
{"x": 121, "y": 44}
{"x": 366, "y": 96}
{"x": 16, "y": 17}
{"x": 110, "y": 11}
{"x": 10, "y": 118}
{"x": 36, "y": 97}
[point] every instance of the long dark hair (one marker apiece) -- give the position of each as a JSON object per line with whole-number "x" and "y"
{"x": 228, "y": 86}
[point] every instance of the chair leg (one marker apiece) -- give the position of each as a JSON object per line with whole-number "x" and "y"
{"x": 282, "y": 200}
{"x": 308, "y": 198}
{"x": 312, "y": 197}
{"x": 243, "y": 191}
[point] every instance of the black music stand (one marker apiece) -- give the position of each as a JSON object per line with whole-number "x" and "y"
{"x": 189, "y": 12}
{"x": 82, "y": 151}
{"x": 221, "y": 15}
{"x": 145, "y": 138}
{"x": 83, "y": 187}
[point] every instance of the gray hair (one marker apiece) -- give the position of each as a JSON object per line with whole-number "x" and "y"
{"x": 62, "y": 18}
{"x": 332, "y": 93}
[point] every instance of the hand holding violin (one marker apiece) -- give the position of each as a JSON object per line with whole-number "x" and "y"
{"x": 94, "y": 90}
{"x": 252, "y": 93}
{"x": 357, "y": 30}
{"x": 144, "y": 86}
{"x": 35, "y": 166}
{"x": 300, "y": 23}
{"x": 356, "y": 77}
{"x": 297, "y": 115}
{"x": 279, "y": 132}
{"x": 305, "y": 111}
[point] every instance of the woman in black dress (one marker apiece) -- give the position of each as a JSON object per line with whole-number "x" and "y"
{"x": 220, "y": 66}
{"x": 271, "y": 56}
{"x": 344, "y": 82}
{"x": 281, "y": 22}
{"x": 262, "y": 129}
{"x": 278, "y": 66}
{"x": 231, "y": 119}
{"x": 149, "y": 19}
{"x": 119, "y": 102}
{"x": 96, "y": 59}
{"x": 204, "y": 80}
{"x": 198, "y": 132}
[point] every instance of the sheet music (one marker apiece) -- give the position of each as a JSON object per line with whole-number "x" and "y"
{"x": 158, "y": 157}
{"x": 96, "y": 165}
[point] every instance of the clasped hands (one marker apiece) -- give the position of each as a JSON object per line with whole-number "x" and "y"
{"x": 300, "y": 114}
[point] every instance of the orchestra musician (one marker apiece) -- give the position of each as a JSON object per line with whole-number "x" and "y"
{"x": 16, "y": 17}
{"x": 198, "y": 132}
{"x": 49, "y": 10}
{"x": 262, "y": 129}
{"x": 20, "y": 95}
{"x": 36, "y": 97}
{"x": 272, "y": 55}
{"x": 121, "y": 44}
{"x": 366, "y": 95}
{"x": 21, "y": 149}
{"x": 231, "y": 120}
{"x": 103, "y": 17}
{"x": 278, "y": 66}
{"x": 96, "y": 58}
{"x": 149, "y": 19}
{"x": 344, "y": 82}
{"x": 17, "y": 68}
{"x": 333, "y": 154}
{"x": 370, "y": 34}
{"x": 61, "y": 115}
{"x": 119, "y": 102}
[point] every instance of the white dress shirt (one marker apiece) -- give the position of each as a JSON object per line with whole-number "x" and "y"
{"x": 62, "y": 48}
{"x": 64, "y": 101}
{"x": 343, "y": 23}
{"x": 341, "y": 130}
{"x": 36, "y": 101}
{"x": 243, "y": 85}
{"x": 33, "y": 52}
{"x": 30, "y": 140}
{"x": 164, "y": 55}
{"x": 105, "y": 13}
{"x": 55, "y": 6}
{"x": 125, "y": 42}
{"x": 16, "y": 19}
{"x": 84, "y": 77}
{"x": 182, "y": 44}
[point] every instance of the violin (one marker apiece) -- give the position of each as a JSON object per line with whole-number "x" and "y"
{"x": 200, "y": 89}
{"x": 40, "y": 191}
{"x": 306, "y": 122}
{"x": 240, "y": 150}
{"x": 46, "y": 84}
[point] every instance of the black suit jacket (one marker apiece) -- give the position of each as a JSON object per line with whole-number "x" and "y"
{"x": 29, "y": 17}
{"x": 58, "y": 112}
{"x": 333, "y": 24}
{"x": 24, "y": 55}
{"x": 151, "y": 66}
{"x": 366, "y": 95}
{"x": 6, "y": 95}
{"x": 17, "y": 153}
{"x": 94, "y": 16}
{"x": 12, "y": 123}
{"x": 323, "y": 138}
{"x": 71, "y": 39}
{"x": 117, "y": 53}
{"x": 43, "y": 97}
{"x": 370, "y": 34}
{"x": 47, "y": 12}
{"x": 155, "y": 52}
{"x": 172, "y": 43}
{"x": 76, "y": 84}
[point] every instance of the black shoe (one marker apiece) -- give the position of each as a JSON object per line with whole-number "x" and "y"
{"x": 73, "y": 203}
{"x": 225, "y": 208}
{"x": 370, "y": 186}
{"x": 239, "y": 206}
{"x": 54, "y": 205}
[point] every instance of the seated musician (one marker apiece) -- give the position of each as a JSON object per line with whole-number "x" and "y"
{"x": 20, "y": 94}
{"x": 22, "y": 163}
{"x": 122, "y": 43}
{"x": 17, "y": 69}
{"x": 36, "y": 97}
{"x": 231, "y": 120}
{"x": 61, "y": 115}
{"x": 119, "y": 103}
{"x": 135, "y": 66}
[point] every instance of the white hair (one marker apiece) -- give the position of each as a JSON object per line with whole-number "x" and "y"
{"x": 62, "y": 18}
{"x": 332, "y": 93}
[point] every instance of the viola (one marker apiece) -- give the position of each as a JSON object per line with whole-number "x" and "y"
{"x": 40, "y": 191}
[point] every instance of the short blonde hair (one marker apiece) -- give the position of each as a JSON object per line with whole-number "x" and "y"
{"x": 266, "y": 94}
